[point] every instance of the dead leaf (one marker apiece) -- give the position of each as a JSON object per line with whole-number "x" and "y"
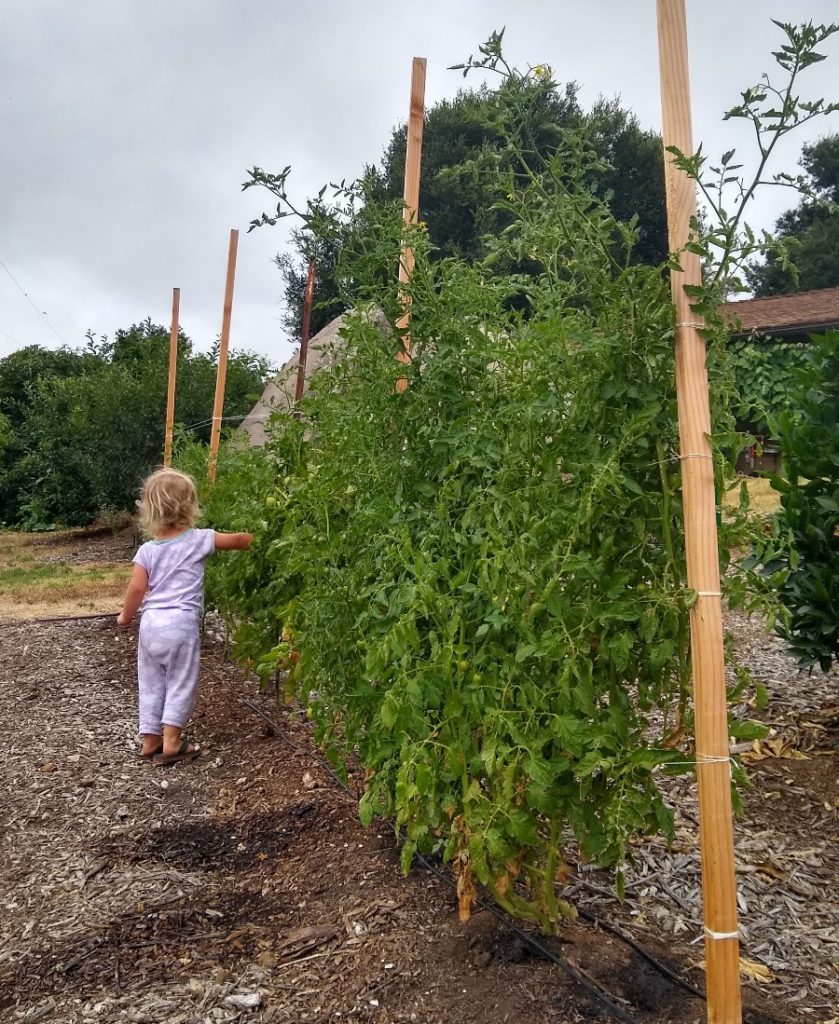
{"x": 466, "y": 894}
{"x": 502, "y": 884}
{"x": 564, "y": 872}
{"x": 756, "y": 971}
{"x": 768, "y": 868}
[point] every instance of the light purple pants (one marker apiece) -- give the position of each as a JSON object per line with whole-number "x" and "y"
{"x": 168, "y": 659}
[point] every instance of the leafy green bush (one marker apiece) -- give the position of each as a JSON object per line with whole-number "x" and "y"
{"x": 808, "y": 564}
{"x": 86, "y": 427}
{"x": 765, "y": 373}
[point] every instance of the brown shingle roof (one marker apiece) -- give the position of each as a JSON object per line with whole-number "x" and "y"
{"x": 797, "y": 313}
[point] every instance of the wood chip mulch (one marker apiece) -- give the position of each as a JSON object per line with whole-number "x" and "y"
{"x": 242, "y": 887}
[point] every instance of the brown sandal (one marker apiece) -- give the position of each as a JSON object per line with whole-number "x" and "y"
{"x": 183, "y": 753}
{"x": 148, "y": 757}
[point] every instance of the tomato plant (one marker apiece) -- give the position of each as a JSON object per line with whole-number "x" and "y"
{"x": 484, "y": 576}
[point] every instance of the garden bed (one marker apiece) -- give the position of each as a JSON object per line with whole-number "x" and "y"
{"x": 244, "y": 888}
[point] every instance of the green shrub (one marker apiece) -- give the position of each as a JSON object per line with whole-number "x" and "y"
{"x": 808, "y": 564}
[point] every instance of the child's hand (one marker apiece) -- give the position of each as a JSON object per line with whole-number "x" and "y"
{"x": 123, "y": 620}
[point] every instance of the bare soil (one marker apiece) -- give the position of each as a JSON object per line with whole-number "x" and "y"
{"x": 242, "y": 887}
{"x": 69, "y": 572}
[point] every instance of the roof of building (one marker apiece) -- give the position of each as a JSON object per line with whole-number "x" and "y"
{"x": 797, "y": 313}
{"x": 278, "y": 395}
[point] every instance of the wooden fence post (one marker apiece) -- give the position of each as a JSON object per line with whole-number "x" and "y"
{"x": 722, "y": 950}
{"x": 173, "y": 369}
{"x": 413, "y": 158}
{"x": 221, "y": 375}
{"x": 304, "y": 332}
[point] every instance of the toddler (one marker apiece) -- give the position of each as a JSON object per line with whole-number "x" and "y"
{"x": 169, "y": 574}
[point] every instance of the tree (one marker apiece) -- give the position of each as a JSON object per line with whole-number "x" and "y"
{"x": 462, "y": 146}
{"x": 810, "y": 231}
{"x": 84, "y": 427}
{"x": 21, "y": 373}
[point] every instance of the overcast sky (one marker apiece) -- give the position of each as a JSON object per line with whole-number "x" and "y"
{"x": 127, "y": 127}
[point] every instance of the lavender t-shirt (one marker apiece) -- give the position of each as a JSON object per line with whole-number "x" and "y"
{"x": 176, "y": 571}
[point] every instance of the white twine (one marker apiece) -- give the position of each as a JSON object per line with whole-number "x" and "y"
{"x": 696, "y": 455}
{"x": 721, "y": 935}
{"x": 701, "y": 759}
{"x": 709, "y": 593}
{"x": 691, "y": 323}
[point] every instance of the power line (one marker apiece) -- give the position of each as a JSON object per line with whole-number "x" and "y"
{"x": 25, "y": 294}
{"x": 11, "y": 339}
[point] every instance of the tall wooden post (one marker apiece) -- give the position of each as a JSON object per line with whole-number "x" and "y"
{"x": 413, "y": 158}
{"x": 221, "y": 375}
{"x": 173, "y": 369}
{"x": 308, "y": 299}
{"x": 722, "y": 950}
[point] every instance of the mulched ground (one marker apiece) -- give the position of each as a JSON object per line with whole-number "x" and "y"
{"x": 243, "y": 888}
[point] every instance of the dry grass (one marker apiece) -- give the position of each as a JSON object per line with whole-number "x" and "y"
{"x": 763, "y": 501}
{"x": 49, "y": 576}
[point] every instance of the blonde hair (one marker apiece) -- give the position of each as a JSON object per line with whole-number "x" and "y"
{"x": 168, "y": 500}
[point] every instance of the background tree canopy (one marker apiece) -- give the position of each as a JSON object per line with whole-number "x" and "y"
{"x": 463, "y": 145}
{"x": 810, "y": 230}
{"x": 80, "y": 428}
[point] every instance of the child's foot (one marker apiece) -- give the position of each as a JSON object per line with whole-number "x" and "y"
{"x": 151, "y": 745}
{"x": 185, "y": 752}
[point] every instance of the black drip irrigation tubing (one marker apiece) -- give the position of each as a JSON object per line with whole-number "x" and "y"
{"x": 277, "y": 731}
{"x": 59, "y": 618}
{"x": 662, "y": 968}
{"x": 593, "y": 989}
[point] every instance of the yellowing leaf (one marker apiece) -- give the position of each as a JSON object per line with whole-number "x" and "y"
{"x": 756, "y": 971}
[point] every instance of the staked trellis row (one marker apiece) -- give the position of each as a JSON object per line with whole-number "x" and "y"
{"x": 712, "y": 745}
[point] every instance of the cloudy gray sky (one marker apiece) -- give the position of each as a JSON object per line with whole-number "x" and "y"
{"x": 127, "y": 127}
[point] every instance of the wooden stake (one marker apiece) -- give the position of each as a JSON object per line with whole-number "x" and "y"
{"x": 413, "y": 158}
{"x": 221, "y": 375}
{"x": 304, "y": 333}
{"x": 722, "y": 951}
{"x": 173, "y": 369}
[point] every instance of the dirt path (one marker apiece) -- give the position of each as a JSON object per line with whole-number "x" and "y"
{"x": 243, "y": 888}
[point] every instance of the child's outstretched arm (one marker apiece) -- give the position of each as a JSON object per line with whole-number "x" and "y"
{"x": 134, "y": 595}
{"x": 233, "y": 541}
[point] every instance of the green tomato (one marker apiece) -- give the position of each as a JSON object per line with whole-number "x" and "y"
{"x": 463, "y": 665}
